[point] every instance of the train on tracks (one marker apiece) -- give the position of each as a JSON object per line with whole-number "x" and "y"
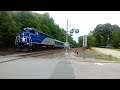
{"x": 31, "y": 39}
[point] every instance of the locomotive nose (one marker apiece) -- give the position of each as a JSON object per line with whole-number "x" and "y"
{"x": 23, "y": 39}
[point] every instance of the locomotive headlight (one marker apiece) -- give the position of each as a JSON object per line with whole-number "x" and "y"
{"x": 23, "y": 34}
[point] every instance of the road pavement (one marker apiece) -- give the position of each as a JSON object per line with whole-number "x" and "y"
{"x": 56, "y": 68}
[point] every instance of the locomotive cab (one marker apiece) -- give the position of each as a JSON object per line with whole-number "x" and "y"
{"x": 23, "y": 41}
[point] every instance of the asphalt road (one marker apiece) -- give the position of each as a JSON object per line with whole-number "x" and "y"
{"x": 54, "y": 68}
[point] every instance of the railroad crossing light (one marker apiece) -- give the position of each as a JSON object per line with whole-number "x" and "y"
{"x": 72, "y": 30}
{"x": 77, "y": 31}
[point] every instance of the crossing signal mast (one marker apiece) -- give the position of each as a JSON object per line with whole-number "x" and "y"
{"x": 71, "y": 31}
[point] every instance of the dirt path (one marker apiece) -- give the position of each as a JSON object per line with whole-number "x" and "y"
{"x": 106, "y": 51}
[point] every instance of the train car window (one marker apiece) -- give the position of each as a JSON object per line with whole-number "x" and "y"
{"x": 55, "y": 42}
{"x": 24, "y": 30}
{"x": 39, "y": 33}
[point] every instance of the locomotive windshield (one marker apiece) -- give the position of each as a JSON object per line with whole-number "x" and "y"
{"x": 24, "y": 31}
{"x": 32, "y": 31}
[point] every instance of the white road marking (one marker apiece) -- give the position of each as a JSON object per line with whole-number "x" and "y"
{"x": 85, "y": 62}
{"x": 99, "y": 63}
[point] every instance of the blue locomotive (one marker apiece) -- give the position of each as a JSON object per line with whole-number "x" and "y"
{"x": 30, "y": 39}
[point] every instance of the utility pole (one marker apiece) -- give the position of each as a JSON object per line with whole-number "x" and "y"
{"x": 66, "y": 38}
{"x": 67, "y": 32}
{"x": 108, "y": 40}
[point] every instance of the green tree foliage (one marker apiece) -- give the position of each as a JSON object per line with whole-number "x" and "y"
{"x": 80, "y": 41}
{"x": 102, "y": 32}
{"x": 115, "y": 39}
{"x": 103, "y": 35}
{"x": 75, "y": 44}
{"x": 8, "y": 29}
{"x": 12, "y": 22}
{"x": 90, "y": 41}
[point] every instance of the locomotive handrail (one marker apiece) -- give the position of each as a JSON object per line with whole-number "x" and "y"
{"x": 30, "y": 41}
{"x": 17, "y": 39}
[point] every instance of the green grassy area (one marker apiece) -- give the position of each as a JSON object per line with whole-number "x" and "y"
{"x": 100, "y": 55}
{"x": 117, "y": 49}
{"x": 90, "y": 53}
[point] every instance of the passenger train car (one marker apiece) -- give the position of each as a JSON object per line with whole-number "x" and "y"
{"x": 30, "y": 39}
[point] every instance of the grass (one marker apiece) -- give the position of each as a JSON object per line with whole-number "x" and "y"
{"x": 117, "y": 49}
{"x": 99, "y": 55}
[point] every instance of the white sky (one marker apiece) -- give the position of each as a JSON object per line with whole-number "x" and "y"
{"x": 83, "y": 20}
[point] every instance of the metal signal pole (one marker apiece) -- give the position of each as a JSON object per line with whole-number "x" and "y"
{"x": 67, "y": 37}
{"x": 71, "y": 31}
{"x": 108, "y": 40}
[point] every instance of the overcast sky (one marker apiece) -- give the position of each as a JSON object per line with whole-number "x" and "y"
{"x": 83, "y": 20}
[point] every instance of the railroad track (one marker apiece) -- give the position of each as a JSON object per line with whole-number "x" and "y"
{"x": 25, "y": 53}
{"x": 32, "y": 54}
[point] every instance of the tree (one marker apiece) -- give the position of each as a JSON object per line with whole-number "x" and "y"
{"x": 75, "y": 44}
{"x": 80, "y": 41}
{"x": 102, "y": 31}
{"x": 8, "y": 29}
{"x": 90, "y": 41}
{"x": 116, "y": 39}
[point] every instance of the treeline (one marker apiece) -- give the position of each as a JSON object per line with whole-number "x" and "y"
{"x": 12, "y": 22}
{"x": 103, "y": 35}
